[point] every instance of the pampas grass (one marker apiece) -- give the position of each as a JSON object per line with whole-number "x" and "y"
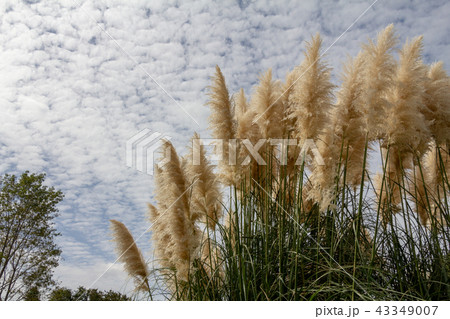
{"x": 349, "y": 118}
{"x": 378, "y": 74}
{"x": 307, "y": 102}
{"x": 407, "y": 128}
{"x": 432, "y": 185}
{"x": 206, "y": 197}
{"x": 130, "y": 255}
{"x": 343, "y": 138}
{"x": 161, "y": 239}
{"x": 299, "y": 230}
{"x": 173, "y": 217}
{"x": 311, "y": 97}
{"x": 268, "y": 107}
{"x": 437, "y": 161}
{"x": 437, "y": 103}
{"x": 407, "y": 133}
{"x": 246, "y": 129}
{"x": 222, "y": 124}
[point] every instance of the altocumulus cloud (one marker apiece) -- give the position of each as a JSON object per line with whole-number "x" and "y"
{"x": 75, "y": 85}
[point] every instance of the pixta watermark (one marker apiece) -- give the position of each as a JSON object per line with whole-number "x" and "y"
{"x": 143, "y": 147}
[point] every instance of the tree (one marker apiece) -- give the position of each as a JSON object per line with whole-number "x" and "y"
{"x": 32, "y": 294}
{"x": 28, "y": 253}
{"x": 83, "y": 294}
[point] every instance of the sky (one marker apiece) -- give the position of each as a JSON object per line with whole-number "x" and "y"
{"x": 80, "y": 78}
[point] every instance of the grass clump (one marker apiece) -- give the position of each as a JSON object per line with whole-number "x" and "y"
{"x": 293, "y": 211}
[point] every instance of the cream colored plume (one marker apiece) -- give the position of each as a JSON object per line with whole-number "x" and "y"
{"x": 130, "y": 255}
{"x": 268, "y": 107}
{"x": 379, "y": 71}
{"x": 175, "y": 235}
{"x": 161, "y": 239}
{"x": 288, "y": 125}
{"x": 311, "y": 97}
{"x": 322, "y": 182}
{"x": 172, "y": 183}
{"x": 205, "y": 198}
{"x": 437, "y": 103}
{"x": 429, "y": 187}
{"x": 222, "y": 124}
{"x": 407, "y": 133}
{"x": 240, "y": 106}
{"x": 246, "y": 129}
{"x": 344, "y": 139}
{"x": 407, "y": 129}
{"x": 286, "y": 90}
{"x": 349, "y": 118}
{"x": 437, "y": 165}
{"x": 348, "y": 110}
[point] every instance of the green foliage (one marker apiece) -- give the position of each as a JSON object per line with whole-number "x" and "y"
{"x": 32, "y": 294}
{"x": 61, "y": 294}
{"x": 27, "y": 233}
{"x": 83, "y": 294}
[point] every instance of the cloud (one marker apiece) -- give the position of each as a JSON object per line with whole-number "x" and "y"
{"x": 70, "y": 97}
{"x": 76, "y": 276}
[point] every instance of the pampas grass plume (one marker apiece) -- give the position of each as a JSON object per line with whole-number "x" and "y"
{"x": 222, "y": 123}
{"x": 344, "y": 138}
{"x": 379, "y": 73}
{"x": 268, "y": 107}
{"x": 310, "y": 100}
{"x": 176, "y": 223}
{"x": 349, "y": 118}
{"x": 406, "y": 125}
{"x": 205, "y": 195}
{"x": 130, "y": 255}
{"x": 437, "y": 103}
